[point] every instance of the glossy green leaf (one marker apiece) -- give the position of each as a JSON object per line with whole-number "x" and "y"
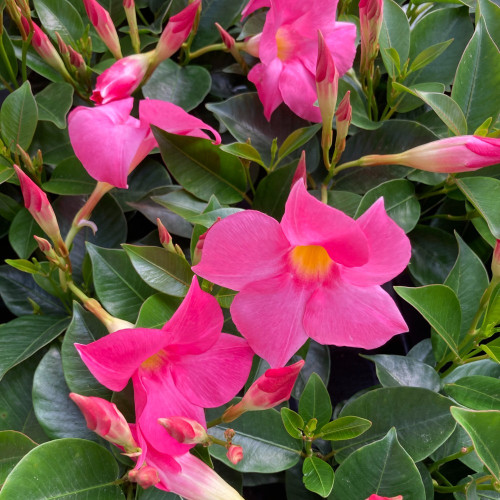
{"x": 119, "y": 288}
{"x": 344, "y": 428}
{"x": 317, "y": 361}
{"x": 428, "y": 55}
{"x": 490, "y": 12}
{"x": 484, "y": 194}
{"x": 482, "y": 427}
{"x": 475, "y": 82}
{"x": 296, "y": 140}
{"x": 400, "y": 202}
{"x": 404, "y": 103}
{"x": 395, "y": 371}
{"x": 295, "y": 489}
{"x": 21, "y": 233}
{"x": 82, "y": 471}
{"x": 318, "y": 476}
{"x": 493, "y": 352}
{"x": 202, "y": 168}
{"x": 57, "y": 414}
{"x": 315, "y": 401}
{"x": 54, "y": 102}
{"x": 13, "y": 446}
{"x": 421, "y": 417}
{"x": 54, "y": 143}
{"x": 8, "y": 207}
{"x": 60, "y": 16}
{"x": 185, "y": 86}
{"x": 22, "y": 337}
{"x": 423, "y": 352}
{"x": 208, "y": 218}
{"x": 157, "y": 310}
{"x": 83, "y": 329}
{"x": 162, "y": 270}
{"x": 69, "y": 177}
{"x": 358, "y": 103}
{"x": 383, "y": 468}
{"x": 293, "y": 422}
{"x": 480, "y": 367}
{"x": 23, "y": 265}
{"x": 11, "y": 58}
{"x": 243, "y": 150}
{"x": 18, "y": 118}
{"x": 477, "y": 392}
{"x": 182, "y": 203}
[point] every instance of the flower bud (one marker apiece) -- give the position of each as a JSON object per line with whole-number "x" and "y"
{"x": 165, "y": 237}
{"x": 343, "y": 117}
{"x": 269, "y": 390}
{"x": 145, "y": 477}
{"x": 129, "y": 6}
{"x": 199, "y": 244}
{"x": 370, "y": 20}
{"x": 105, "y": 419}
{"x": 234, "y": 454}
{"x": 495, "y": 261}
{"x": 378, "y": 497}
{"x": 103, "y": 24}
{"x": 185, "y": 430}
{"x": 301, "y": 172}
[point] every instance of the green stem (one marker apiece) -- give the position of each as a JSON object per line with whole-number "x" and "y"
{"x": 5, "y": 83}
{"x": 435, "y": 193}
{"x": 214, "y": 440}
{"x": 7, "y": 64}
{"x": 308, "y": 447}
{"x": 24, "y": 54}
{"x": 214, "y": 422}
{"x": 436, "y": 465}
{"x": 212, "y": 48}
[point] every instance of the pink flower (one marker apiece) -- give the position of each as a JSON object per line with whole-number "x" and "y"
{"x": 110, "y": 143}
{"x": 288, "y": 52}
{"x": 378, "y": 497}
{"x": 253, "y": 5}
{"x": 301, "y": 172}
{"x": 121, "y": 79}
{"x": 186, "y": 366}
{"x": 315, "y": 274}
{"x": 462, "y": 153}
{"x": 185, "y": 430}
{"x": 273, "y": 387}
{"x": 495, "y": 261}
{"x": 103, "y": 24}
{"x": 145, "y": 476}
{"x": 235, "y": 454}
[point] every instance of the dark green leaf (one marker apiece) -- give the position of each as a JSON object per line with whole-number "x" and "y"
{"x": 243, "y": 150}
{"x": 8, "y": 207}
{"x": 21, "y": 233}
{"x": 477, "y": 392}
{"x": 315, "y": 401}
{"x": 317, "y": 361}
{"x": 13, "y": 447}
{"x": 60, "y": 16}
{"x": 157, "y": 310}
{"x": 428, "y": 55}
{"x": 295, "y": 489}
{"x": 293, "y": 422}
{"x": 344, "y": 428}
{"x": 69, "y": 177}
{"x": 297, "y": 139}
{"x": 54, "y": 102}
{"x": 208, "y": 218}
{"x": 490, "y": 12}
{"x": 11, "y": 58}
{"x": 182, "y": 203}
{"x": 481, "y": 367}
{"x": 318, "y": 476}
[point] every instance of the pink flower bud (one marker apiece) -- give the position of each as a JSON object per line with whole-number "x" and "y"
{"x": 301, "y": 172}
{"x": 378, "y": 497}
{"x": 495, "y": 261}
{"x": 105, "y": 419}
{"x": 176, "y": 31}
{"x": 101, "y": 20}
{"x": 165, "y": 237}
{"x": 370, "y": 19}
{"x": 199, "y": 244}
{"x": 185, "y": 430}
{"x": 269, "y": 390}
{"x": 234, "y": 454}
{"x": 146, "y": 476}
{"x": 454, "y": 154}
{"x": 227, "y": 39}
{"x": 343, "y": 116}
{"x": 43, "y": 244}
{"x": 63, "y": 48}
{"x": 36, "y": 201}
{"x": 75, "y": 58}
{"x": 121, "y": 79}
{"x": 128, "y": 4}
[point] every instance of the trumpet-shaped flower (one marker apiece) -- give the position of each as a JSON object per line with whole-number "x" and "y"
{"x": 316, "y": 274}
{"x": 288, "y": 51}
{"x": 186, "y": 366}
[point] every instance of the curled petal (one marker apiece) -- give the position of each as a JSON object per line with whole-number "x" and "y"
{"x": 266, "y": 79}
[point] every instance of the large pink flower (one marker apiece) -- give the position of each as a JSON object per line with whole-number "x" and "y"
{"x": 186, "y": 366}
{"x": 288, "y": 52}
{"x": 315, "y": 274}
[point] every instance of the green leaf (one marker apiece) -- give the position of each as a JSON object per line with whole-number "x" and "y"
{"x": 383, "y": 468}
{"x": 317, "y": 361}
{"x": 162, "y": 270}
{"x": 296, "y": 140}
{"x": 207, "y": 219}
{"x": 295, "y": 489}
{"x": 82, "y": 471}
{"x": 410, "y": 102}
{"x": 54, "y": 102}
{"x": 429, "y": 54}
{"x": 21, "y": 233}
{"x": 185, "y": 86}
{"x": 243, "y": 150}
{"x": 476, "y": 392}
{"x": 293, "y": 422}
{"x": 344, "y": 428}
{"x": 315, "y": 401}
{"x": 492, "y": 351}
{"x": 181, "y": 203}
{"x": 492, "y": 317}
{"x": 23, "y": 265}
{"x": 83, "y": 329}
{"x": 439, "y": 305}
{"x": 482, "y": 427}
{"x": 22, "y": 337}
{"x": 11, "y": 57}
{"x": 6, "y": 172}
{"x": 69, "y": 177}
{"x": 421, "y": 417}
{"x": 475, "y": 82}
{"x": 60, "y": 16}
{"x": 8, "y": 207}
{"x": 400, "y": 202}
{"x": 202, "y": 168}
{"x": 157, "y": 310}
{"x": 490, "y": 12}
{"x": 18, "y": 118}
{"x": 268, "y": 447}
{"x": 484, "y": 194}
{"x": 481, "y": 367}
{"x": 318, "y": 476}
{"x": 57, "y": 414}
{"x": 118, "y": 286}
{"x": 395, "y": 371}
{"x": 13, "y": 446}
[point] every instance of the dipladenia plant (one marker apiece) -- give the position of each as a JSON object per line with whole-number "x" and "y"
{"x": 251, "y": 250}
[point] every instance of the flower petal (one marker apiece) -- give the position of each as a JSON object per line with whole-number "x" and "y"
{"x": 253, "y": 5}
{"x": 347, "y": 315}
{"x": 342, "y": 44}
{"x": 269, "y": 315}
{"x": 266, "y": 79}
{"x": 307, "y": 221}
{"x": 390, "y": 249}
{"x": 244, "y": 247}
{"x": 216, "y": 376}
{"x": 114, "y": 358}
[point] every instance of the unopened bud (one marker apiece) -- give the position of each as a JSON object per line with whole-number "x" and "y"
{"x": 234, "y": 454}
{"x": 199, "y": 244}
{"x": 370, "y": 20}
{"x": 229, "y": 435}
{"x": 63, "y": 48}
{"x": 343, "y": 117}
{"x": 227, "y": 39}
{"x": 165, "y": 237}
{"x": 145, "y": 477}
{"x": 301, "y": 172}
{"x": 252, "y": 45}
{"x": 43, "y": 244}
{"x": 104, "y": 26}
{"x": 495, "y": 261}
{"x": 185, "y": 430}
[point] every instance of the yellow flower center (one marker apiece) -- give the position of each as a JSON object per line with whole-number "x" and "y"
{"x": 155, "y": 361}
{"x": 283, "y": 44}
{"x": 311, "y": 261}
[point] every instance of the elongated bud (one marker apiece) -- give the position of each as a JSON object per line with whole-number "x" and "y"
{"x": 129, "y": 6}
{"x": 145, "y": 477}
{"x": 103, "y": 24}
{"x": 269, "y": 390}
{"x": 105, "y": 419}
{"x": 234, "y": 454}
{"x": 43, "y": 244}
{"x": 301, "y": 172}
{"x": 343, "y": 117}
{"x": 199, "y": 245}
{"x": 165, "y": 237}
{"x": 76, "y": 59}
{"x": 230, "y": 44}
{"x": 462, "y": 153}
{"x": 63, "y": 48}
{"x": 495, "y": 262}
{"x": 370, "y": 20}
{"x": 176, "y": 31}
{"x": 185, "y": 430}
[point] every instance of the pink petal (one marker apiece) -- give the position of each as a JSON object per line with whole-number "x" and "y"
{"x": 216, "y": 376}
{"x": 307, "y": 221}
{"x": 253, "y": 5}
{"x": 173, "y": 119}
{"x": 242, "y": 248}
{"x": 347, "y": 315}
{"x": 390, "y": 249}
{"x": 342, "y": 44}
{"x": 266, "y": 79}
{"x": 269, "y": 315}
{"x": 113, "y": 359}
